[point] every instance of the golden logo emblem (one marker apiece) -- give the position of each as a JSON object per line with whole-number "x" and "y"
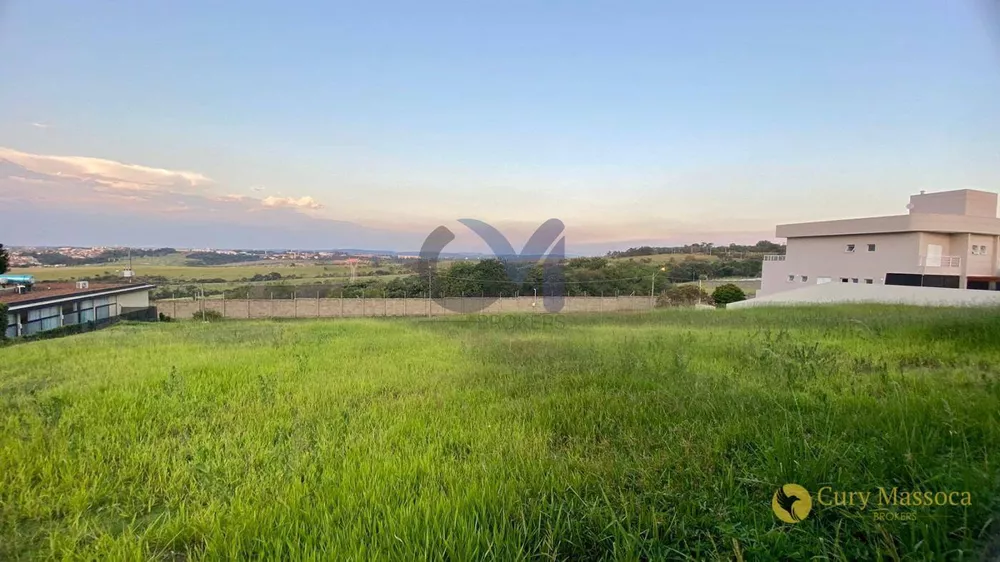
{"x": 791, "y": 503}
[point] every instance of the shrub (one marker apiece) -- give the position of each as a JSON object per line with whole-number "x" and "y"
{"x": 165, "y": 318}
{"x": 683, "y": 295}
{"x": 725, "y": 294}
{"x": 208, "y": 315}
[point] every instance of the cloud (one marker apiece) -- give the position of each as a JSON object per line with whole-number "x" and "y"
{"x": 40, "y": 125}
{"x": 108, "y": 173}
{"x": 85, "y": 178}
{"x": 291, "y": 202}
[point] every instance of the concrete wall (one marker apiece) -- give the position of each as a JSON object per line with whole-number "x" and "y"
{"x": 337, "y": 308}
{"x": 888, "y": 294}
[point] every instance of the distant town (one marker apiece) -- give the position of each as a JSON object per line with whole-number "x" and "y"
{"x": 46, "y": 256}
{"x": 27, "y": 256}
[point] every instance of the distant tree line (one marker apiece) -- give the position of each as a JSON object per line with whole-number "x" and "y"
{"x": 213, "y": 258}
{"x": 496, "y": 278}
{"x": 762, "y": 247}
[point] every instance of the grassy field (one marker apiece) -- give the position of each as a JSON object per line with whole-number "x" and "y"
{"x": 654, "y": 436}
{"x": 666, "y": 258}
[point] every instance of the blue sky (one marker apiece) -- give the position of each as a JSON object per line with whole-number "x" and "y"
{"x": 320, "y": 124}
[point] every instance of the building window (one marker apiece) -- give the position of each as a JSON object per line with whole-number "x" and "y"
{"x": 791, "y": 278}
{"x": 979, "y": 250}
{"x": 854, "y": 280}
{"x": 849, "y": 249}
{"x": 975, "y": 250}
{"x": 871, "y": 247}
{"x": 869, "y": 281}
{"x": 822, "y": 280}
{"x": 805, "y": 278}
{"x": 844, "y": 280}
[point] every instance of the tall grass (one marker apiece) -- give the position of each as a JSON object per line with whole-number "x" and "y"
{"x": 654, "y": 436}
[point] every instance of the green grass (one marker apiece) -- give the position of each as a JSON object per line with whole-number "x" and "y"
{"x": 667, "y": 258}
{"x": 653, "y": 436}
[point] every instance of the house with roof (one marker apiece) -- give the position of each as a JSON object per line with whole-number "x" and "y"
{"x": 949, "y": 239}
{"x": 34, "y": 307}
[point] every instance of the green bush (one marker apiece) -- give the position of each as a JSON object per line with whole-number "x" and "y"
{"x": 725, "y": 294}
{"x": 683, "y": 295}
{"x": 208, "y": 315}
{"x": 60, "y": 332}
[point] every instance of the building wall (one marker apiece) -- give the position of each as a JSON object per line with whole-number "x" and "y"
{"x": 138, "y": 299}
{"x": 835, "y": 293}
{"x": 811, "y": 261}
{"x": 983, "y": 263}
{"x": 960, "y": 202}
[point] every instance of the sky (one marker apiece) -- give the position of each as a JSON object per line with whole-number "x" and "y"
{"x": 329, "y": 124}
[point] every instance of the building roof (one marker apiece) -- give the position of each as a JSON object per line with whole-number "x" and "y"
{"x": 944, "y": 224}
{"x": 963, "y": 211}
{"x": 43, "y": 292}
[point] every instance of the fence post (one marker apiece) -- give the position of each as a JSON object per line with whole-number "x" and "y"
{"x": 295, "y": 306}
{"x": 341, "y": 303}
{"x": 248, "y": 304}
{"x": 317, "y": 303}
{"x": 223, "y": 304}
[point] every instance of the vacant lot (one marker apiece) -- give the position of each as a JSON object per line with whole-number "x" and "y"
{"x": 655, "y": 436}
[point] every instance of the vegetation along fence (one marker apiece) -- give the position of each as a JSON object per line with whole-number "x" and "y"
{"x": 361, "y": 306}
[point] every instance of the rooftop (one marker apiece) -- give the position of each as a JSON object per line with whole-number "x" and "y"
{"x": 43, "y": 291}
{"x": 959, "y": 211}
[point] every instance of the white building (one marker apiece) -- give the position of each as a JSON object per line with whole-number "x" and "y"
{"x": 53, "y": 305}
{"x": 949, "y": 239}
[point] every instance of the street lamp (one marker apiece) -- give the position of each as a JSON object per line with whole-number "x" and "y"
{"x": 652, "y": 283}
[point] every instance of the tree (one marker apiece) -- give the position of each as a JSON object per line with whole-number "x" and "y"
{"x": 683, "y": 295}
{"x": 725, "y": 294}
{"x": 4, "y": 259}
